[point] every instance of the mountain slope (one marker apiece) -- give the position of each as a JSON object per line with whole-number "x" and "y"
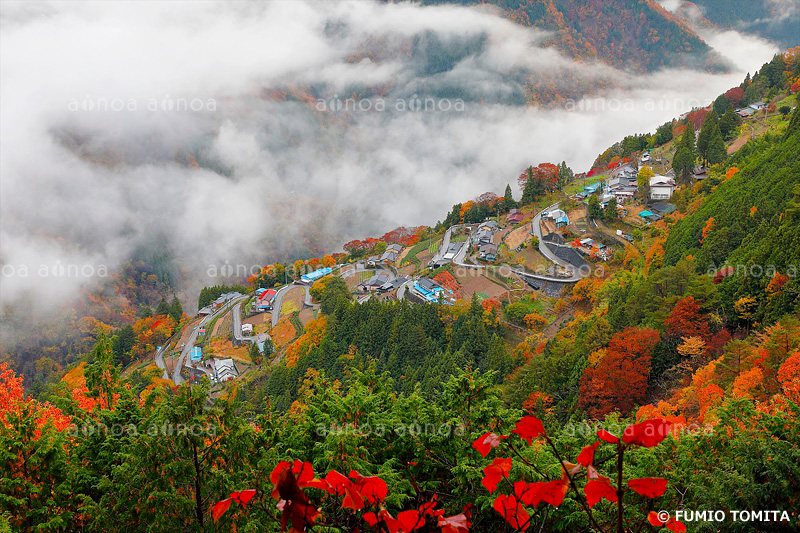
{"x": 754, "y": 219}
{"x": 637, "y": 35}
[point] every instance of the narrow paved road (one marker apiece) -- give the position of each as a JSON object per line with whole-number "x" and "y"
{"x": 575, "y": 274}
{"x": 176, "y": 374}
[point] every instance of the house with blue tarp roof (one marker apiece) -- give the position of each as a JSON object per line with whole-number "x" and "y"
{"x": 196, "y": 353}
{"x": 311, "y": 277}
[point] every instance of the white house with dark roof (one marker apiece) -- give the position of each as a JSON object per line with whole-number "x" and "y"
{"x": 661, "y": 188}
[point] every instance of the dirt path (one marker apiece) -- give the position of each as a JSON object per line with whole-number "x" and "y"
{"x": 738, "y": 143}
{"x": 551, "y": 330}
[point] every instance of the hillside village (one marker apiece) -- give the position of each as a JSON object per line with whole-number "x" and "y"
{"x": 641, "y": 319}
{"x": 538, "y": 261}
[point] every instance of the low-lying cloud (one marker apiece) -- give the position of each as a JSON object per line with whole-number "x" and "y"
{"x": 255, "y": 132}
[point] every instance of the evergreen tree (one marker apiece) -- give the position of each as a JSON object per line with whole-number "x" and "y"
{"x": 123, "y": 342}
{"x": 728, "y": 124}
{"x": 710, "y": 133}
{"x": 610, "y": 213}
{"x": 163, "y": 308}
{"x": 705, "y": 134}
{"x": 175, "y": 309}
{"x": 565, "y": 174}
{"x": 716, "y": 152}
{"x": 255, "y": 354}
{"x": 594, "y": 209}
{"x": 533, "y": 190}
{"x": 663, "y": 134}
{"x": 145, "y": 311}
{"x": 684, "y": 159}
{"x": 722, "y": 104}
{"x": 508, "y": 199}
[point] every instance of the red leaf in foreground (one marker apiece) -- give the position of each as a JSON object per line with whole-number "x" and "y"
{"x": 372, "y": 488}
{"x": 220, "y": 507}
{"x": 551, "y": 492}
{"x": 454, "y": 524}
{"x": 597, "y": 489}
{"x": 370, "y": 518}
{"x": 486, "y": 442}
{"x": 607, "y": 437}
{"x": 529, "y": 428}
{"x": 676, "y": 526}
{"x": 652, "y": 487}
{"x": 586, "y": 457}
{"x": 648, "y": 433}
{"x": 494, "y": 472}
{"x": 243, "y": 496}
{"x": 410, "y": 520}
{"x": 513, "y": 513}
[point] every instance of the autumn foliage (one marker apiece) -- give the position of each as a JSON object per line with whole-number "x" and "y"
{"x": 619, "y": 381}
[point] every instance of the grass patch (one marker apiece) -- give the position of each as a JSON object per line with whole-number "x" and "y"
{"x": 411, "y": 255}
{"x": 295, "y": 320}
{"x": 434, "y": 247}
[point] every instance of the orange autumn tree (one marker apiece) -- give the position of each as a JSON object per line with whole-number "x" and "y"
{"x": 620, "y": 379}
{"x": 33, "y": 464}
{"x": 686, "y": 320}
{"x": 707, "y": 229}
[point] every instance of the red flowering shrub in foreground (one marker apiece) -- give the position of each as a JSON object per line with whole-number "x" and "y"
{"x": 359, "y": 500}
{"x": 520, "y": 503}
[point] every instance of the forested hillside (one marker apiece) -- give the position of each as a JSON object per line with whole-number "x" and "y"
{"x": 632, "y": 34}
{"x": 748, "y": 229}
{"x": 774, "y": 20}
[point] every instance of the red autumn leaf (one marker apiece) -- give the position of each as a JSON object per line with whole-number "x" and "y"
{"x": 220, "y": 507}
{"x": 303, "y": 471}
{"x": 654, "y": 520}
{"x": 427, "y": 508}
{"x": 529, "y": 428}
{"x": 280, "y": 467}
{"x": 676, "y": 526}
{"x": 494, "y": 472}
{"x": 607, "y": 437}
{"x": 370, "y": 518}
{"x": 341, "y": 485}
{"x": 391, "y": 523}
{"x": 597, "y": 489}
{"x": 486, "y": 442}
{"x": 243, "y": 496}
{"x": 586, "y": 457}
{"x": 286, "y": 487}
{"x": 652, "y": 487}
{"x": 352, "y": 499}
{"x": 372, "y": 488}
{"x": 553, "y": 492}
{"x": 454, "y": 524}
{"x": 511, "y": 510}
{"x": 302, "y": 515}
{"x": 318, "y": 484}
{"x": 648, "y": 433}
{"x": 410, "y": 520}
{"x": 527, "y": 493}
